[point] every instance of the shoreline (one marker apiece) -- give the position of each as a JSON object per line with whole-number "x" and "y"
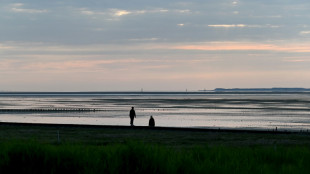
{"x": 284, "y": 113}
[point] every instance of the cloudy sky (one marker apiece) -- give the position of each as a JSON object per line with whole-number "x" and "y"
{"x": 100, "y": 45}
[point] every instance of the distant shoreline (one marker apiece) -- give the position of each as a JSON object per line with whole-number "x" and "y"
{"x": 262, "y": 90}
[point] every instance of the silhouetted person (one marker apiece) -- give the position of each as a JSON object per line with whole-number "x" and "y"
{"x": 132, "y": 115}
{"x": 151, "y": 122}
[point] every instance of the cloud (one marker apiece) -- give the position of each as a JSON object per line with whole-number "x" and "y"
{"x": 65, "y": 63}
{"x": 159, "y": 11}
{"x": 183, "y": 11}
{"x": 118, "y": 12}
{"x": 40, "y": 47}
{"x": 235, "y": 3}
{"x": 144, "y": 39}
{"x": 304, "y": 33}
{"x": 111, "y": 12}
{"x": 4, "y": 47}
{"x": 227, "y": 25}
{"x": 236, "y": 12}
{"x": 114, "y": 12}
{"x": 297, "y": 60}
{"x": 149, "y": 45}
{"x": 17, "y": 4}
{"x": 242, "y": 26}
{"x": 18, "y": 8}
{"x": 35, "y": 63}
{"x": 87, "y": 12}
{"x": 246, "y": 46}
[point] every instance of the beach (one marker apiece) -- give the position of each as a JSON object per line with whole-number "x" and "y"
{"x": 260, "y": 111}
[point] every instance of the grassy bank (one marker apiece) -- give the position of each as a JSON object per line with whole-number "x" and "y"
{"x": 137, "y": 157}
{"x": 37, "y": 149}
{"x": 179, "y": 137}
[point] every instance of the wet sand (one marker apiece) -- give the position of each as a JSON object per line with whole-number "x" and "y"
{"x": 265, "y": 111}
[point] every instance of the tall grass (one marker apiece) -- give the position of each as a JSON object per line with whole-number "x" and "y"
{"x": 138, "y": 157}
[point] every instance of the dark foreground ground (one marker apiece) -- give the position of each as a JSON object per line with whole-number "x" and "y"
{"x": 51, "y": 133}
{"x": 38, "y": 148}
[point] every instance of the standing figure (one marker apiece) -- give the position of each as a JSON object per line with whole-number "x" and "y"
{"x": 152, "y": 122}
{"x": 132, "y": 115}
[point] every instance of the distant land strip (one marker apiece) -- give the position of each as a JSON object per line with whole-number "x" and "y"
{"x": 261, "y": 90}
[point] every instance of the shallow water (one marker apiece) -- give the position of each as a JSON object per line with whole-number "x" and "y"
{"x": 210, "y": 110}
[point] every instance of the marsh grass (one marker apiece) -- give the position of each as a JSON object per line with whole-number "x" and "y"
{"x": 140, "y": 157}
{"x": 36, "y": 149}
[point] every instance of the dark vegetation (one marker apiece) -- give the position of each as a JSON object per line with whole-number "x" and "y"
{"x": 37, "y": 149}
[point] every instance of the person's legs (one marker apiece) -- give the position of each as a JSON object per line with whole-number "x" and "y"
{"x": 131, "y": 121}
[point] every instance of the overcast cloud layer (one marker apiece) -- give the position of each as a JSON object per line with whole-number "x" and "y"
{"x": 78, "y": 45}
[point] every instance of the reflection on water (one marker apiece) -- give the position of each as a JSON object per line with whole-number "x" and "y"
{"x": 259, "y": 111}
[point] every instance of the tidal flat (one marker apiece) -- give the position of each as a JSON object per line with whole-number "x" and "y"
{"x": 265, "y": 111}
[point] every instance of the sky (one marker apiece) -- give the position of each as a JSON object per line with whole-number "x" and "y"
{"x": 100, "y": 45}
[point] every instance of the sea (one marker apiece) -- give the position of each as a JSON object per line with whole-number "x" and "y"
{"x": 212, "y": 110}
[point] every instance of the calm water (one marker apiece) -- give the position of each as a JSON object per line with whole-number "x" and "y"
{"x": 246, "y": 111}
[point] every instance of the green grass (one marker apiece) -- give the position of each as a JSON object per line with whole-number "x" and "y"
{"x": 139, "y": 157}
{"x": 36, "y": 149}
{"x": 104, "y": 135}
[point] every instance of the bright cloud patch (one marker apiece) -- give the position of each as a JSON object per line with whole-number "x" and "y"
{"x": 242, "y": 26}
{"x": 18, "y": 8}
{"x": 117, "y": 12}
{"x": 123, "y": 12}
{"x": 228, "y": 26}
{"x": 246, "y": 46}
{"x": 304, "y": 33}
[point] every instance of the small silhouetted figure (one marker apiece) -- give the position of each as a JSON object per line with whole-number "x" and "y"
{"x": 132, "y": 115}
{"x": 152, "y": 122}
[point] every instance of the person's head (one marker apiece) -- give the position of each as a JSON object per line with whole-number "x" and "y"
{"x": 151, "y": 116}
{"x": 132, "y": 107}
